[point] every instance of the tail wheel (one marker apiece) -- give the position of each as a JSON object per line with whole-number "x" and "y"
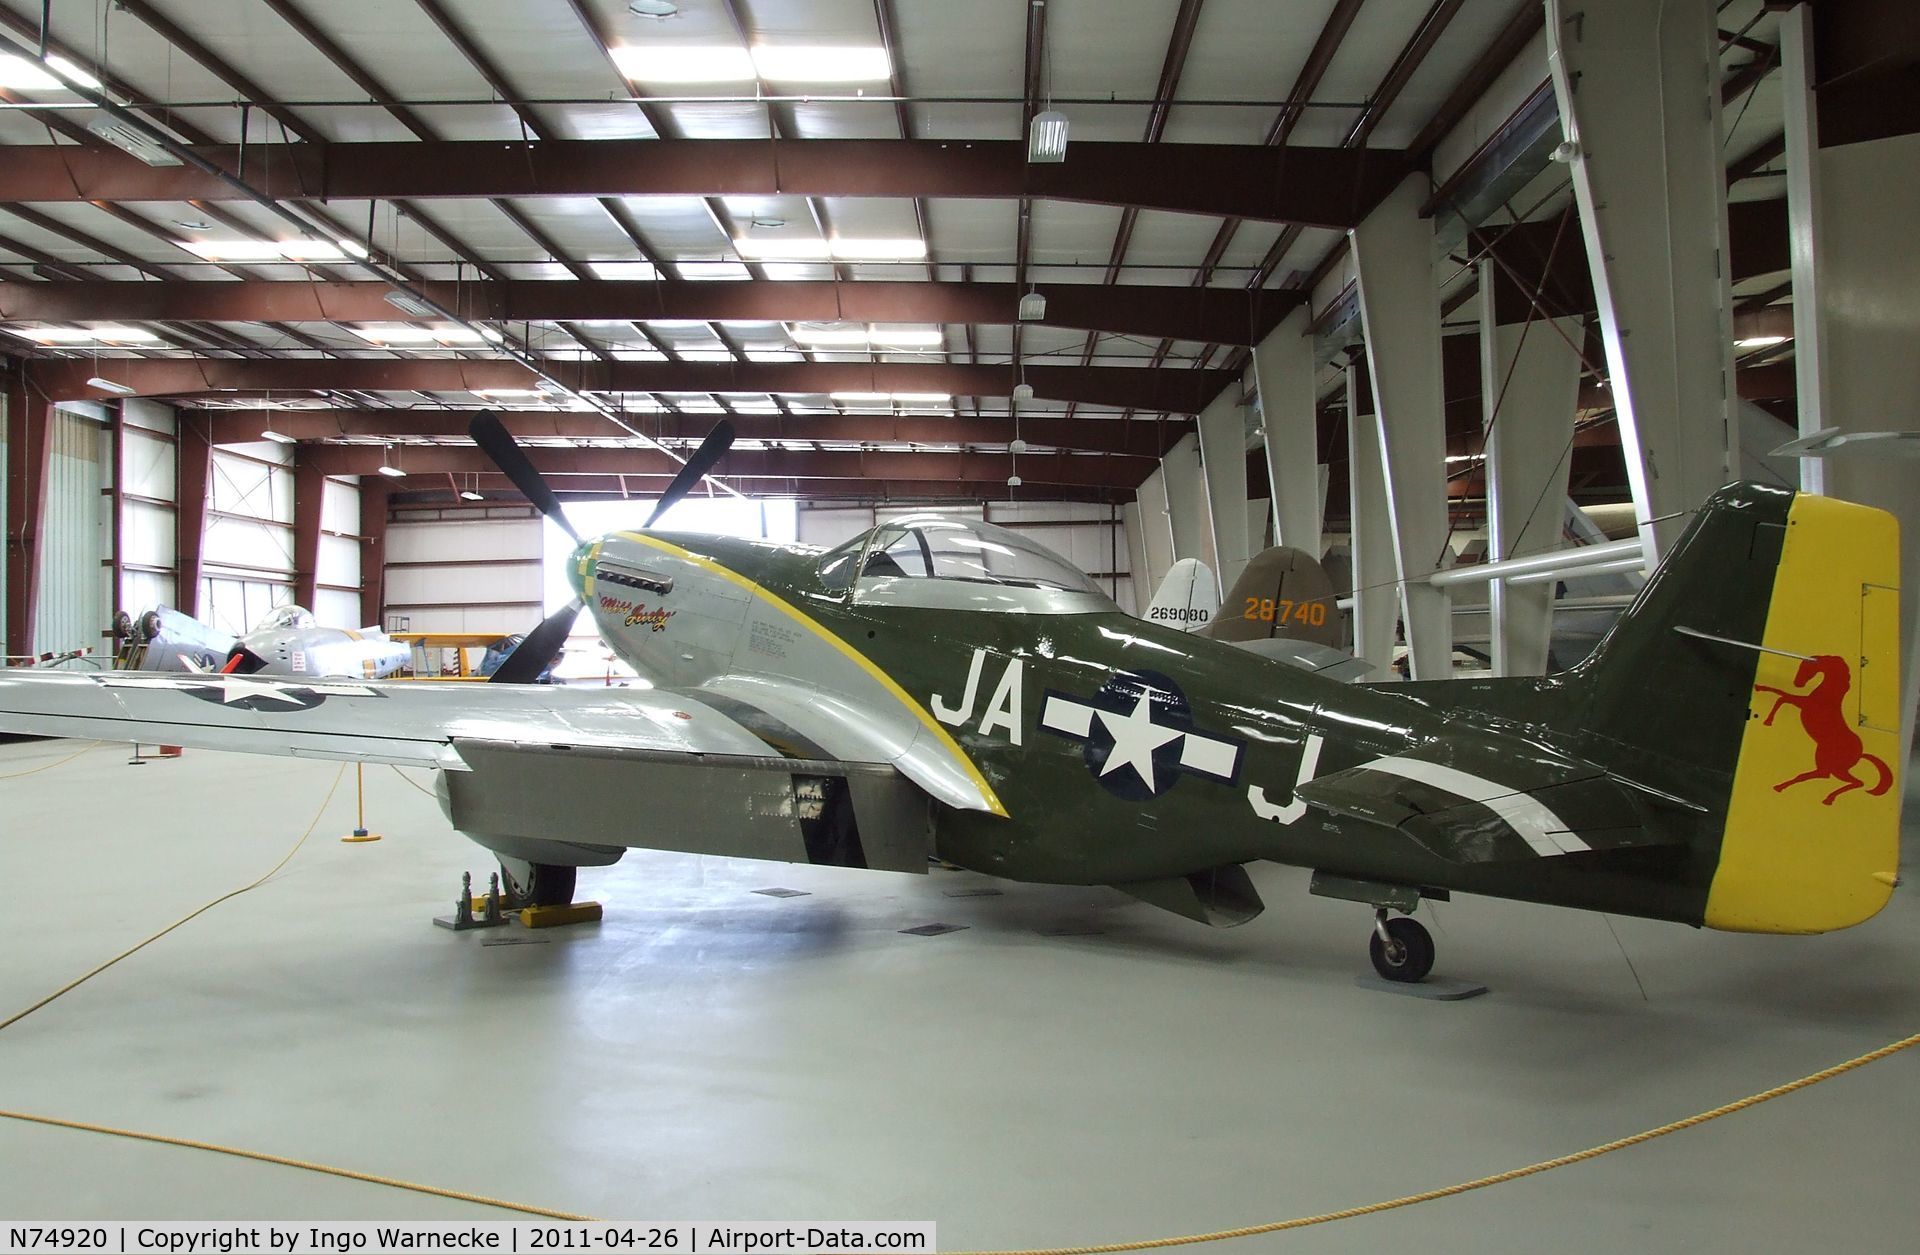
{"x": 1402, "y": 950}
{"x": 536, "y": 884}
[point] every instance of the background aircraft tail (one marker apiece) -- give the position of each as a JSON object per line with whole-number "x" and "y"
{"x": 1284, "y": 593}
{"x": 1756, "y": 683}
{"x": 1187, "y": 599}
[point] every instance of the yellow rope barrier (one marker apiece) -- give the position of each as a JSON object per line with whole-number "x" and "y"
{"x": 304, "y": 1165}
{"x": 134, "y": 949}
{"x": 15, "y": 775}
{"x": 1480, "y": 1183}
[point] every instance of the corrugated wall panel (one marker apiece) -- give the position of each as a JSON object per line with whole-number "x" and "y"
{"x": 76, "y": 535}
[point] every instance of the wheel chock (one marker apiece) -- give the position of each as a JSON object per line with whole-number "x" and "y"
{"x": 558, "y": 916}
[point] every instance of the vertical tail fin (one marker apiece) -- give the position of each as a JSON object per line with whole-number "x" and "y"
{"x": 1188, "y": 598}
{"x": 1758, "y": 676}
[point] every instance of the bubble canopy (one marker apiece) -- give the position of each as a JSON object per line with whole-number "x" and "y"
{"x": 288, "y": 616}
{"x": 941, "y": 561}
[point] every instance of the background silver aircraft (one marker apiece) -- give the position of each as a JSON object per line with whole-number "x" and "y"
{"x": 286, "y": 642}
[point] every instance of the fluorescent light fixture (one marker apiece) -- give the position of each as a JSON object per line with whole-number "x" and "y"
{"x": 861, "y": 337}
{"x": 73, "y": 73}
{"x": 923, "y": 398}
{"x": 1047, "y": 137}
{"x": 104, "y": 333}
{"x": 1759, "y": 342}
{"x": 274, "y": 250}
{"x": 390, "y": 470}
{"x": 849, "y": 248}
{"x": 278, "y": 437}
{"x": 684, "y": 63}
{"x": 26, "y": 74}
{"x": 408, "y": 304}
{"x": 838, "y": 63}
{"x": 862, "y": 396}
{"x": 784, "y": 248}
{"x": 1033, "y": 307}
{"x": 508, "y": 392}
{"x": 1023, "y": 392}
{"x": 141, "y": 145}
{"x": 468, "y": 494}
{"x": 623, "y": 270}
{"x": 110, "y": 385}
{"x": 868, "y": 248}
{"x": 425, "y": 336}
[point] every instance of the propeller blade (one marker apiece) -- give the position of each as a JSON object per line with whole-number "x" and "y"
{"x": 494, "y": 440}
{"x": 711, "y": 450}
{"x": 541, "y": 646}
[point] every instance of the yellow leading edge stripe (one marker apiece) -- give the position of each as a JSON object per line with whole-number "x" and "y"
{"x": 805, "y": 620}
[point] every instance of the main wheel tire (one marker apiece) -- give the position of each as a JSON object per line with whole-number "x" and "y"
{"x": 536, "y": 884}
{"x": 1406, "y": 955}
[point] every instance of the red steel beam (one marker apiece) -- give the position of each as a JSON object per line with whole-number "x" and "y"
{"x": 862, "y": 491}
{"x": 1326, "y": 187}
{"x": 1035, "y": 468}
{"x": 1216, "y": 315}
{"x": 309, "y": 493}
{"x": 29, "y": 418}
{"x": 1158, "y": 391}
{"x": 193, "y": 467}
{"x": 1093, "y": 435}
{"x": 373, "y": 548}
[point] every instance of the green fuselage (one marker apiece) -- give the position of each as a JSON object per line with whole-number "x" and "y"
{"x": 1101, "y": 789}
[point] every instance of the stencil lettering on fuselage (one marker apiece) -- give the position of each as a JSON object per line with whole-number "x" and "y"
{"x": 1138, "y": 736}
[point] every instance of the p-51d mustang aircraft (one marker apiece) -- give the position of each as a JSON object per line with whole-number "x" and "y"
{"x": 949, "y": 688}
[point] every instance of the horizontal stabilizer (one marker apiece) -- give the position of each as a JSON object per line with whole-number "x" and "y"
{"x": 1511, "y": 809}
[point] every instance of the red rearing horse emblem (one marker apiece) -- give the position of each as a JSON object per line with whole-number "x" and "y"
{"x": 1837, "y": 749}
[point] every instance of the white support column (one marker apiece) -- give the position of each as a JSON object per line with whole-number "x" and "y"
{"x": 1400, "y": 313}
{"x": 1375, "y": 606}
{"x": 1869, "y": 201}
{"x": 1222, "y": 428}
{"x": 1156, "y": 528}
{"x": 1803, "y": 206}
{"x": 1187, "y": 503}
{"x": 1532, "y": 375}
{"x": 1638, "y": 85}
{"x": 1283, "y": 373}
{"x": 1143, "y": 580}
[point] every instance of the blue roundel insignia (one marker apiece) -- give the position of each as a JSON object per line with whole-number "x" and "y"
{"x": 1138, "y": 736}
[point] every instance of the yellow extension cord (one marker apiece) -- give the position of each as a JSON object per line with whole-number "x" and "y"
{"x": 1218, "y": 1235}
{"x": 15, "y": 775}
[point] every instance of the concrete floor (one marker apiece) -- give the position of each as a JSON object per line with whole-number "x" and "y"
{"x": 1073, "y": 1067}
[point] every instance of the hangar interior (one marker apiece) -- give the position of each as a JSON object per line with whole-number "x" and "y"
{"x": 1475, "y": 301}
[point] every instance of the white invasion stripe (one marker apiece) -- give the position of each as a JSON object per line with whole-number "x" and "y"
{"x": 1203, "y": 753}
{"x": 1067, "y": 717}
{"x": 1539, "y": 827}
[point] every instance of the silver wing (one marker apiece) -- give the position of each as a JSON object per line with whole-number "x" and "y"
{"x": 530, "y": 771}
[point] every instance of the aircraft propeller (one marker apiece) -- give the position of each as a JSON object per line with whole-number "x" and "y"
{"x": 542, "y": 645}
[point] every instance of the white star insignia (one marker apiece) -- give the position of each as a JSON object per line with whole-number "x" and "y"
{"x": 1135, "y": 737}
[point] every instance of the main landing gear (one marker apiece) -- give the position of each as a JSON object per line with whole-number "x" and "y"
{"x": 526, "y": 884}
{"x": 1401, "y": 949}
